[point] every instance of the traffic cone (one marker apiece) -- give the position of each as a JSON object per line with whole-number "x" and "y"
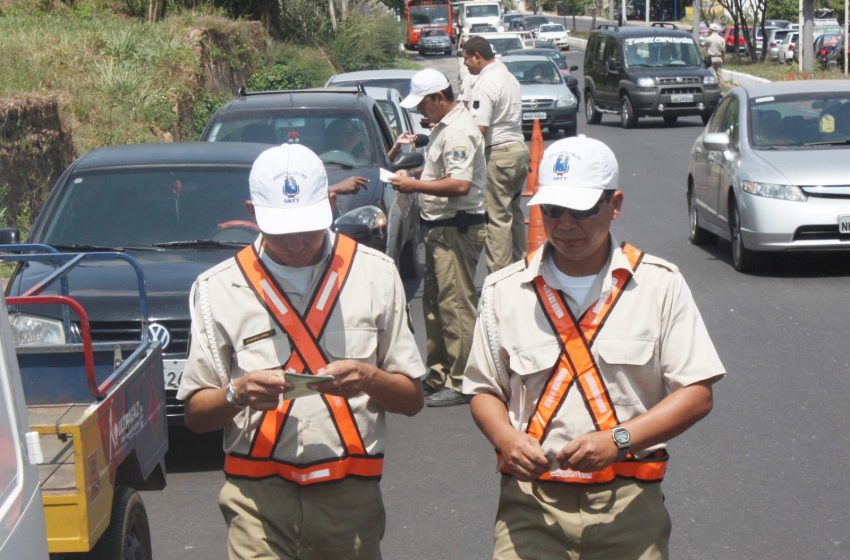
{"x": 535, "y": 152}
{"x": 536, "y": 233}
{"x": 790, "y": 76}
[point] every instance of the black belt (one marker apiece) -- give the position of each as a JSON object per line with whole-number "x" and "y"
{"x": 461, "y": 220}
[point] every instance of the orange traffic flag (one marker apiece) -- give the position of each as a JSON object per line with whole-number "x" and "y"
{"x": 535, "y": 151}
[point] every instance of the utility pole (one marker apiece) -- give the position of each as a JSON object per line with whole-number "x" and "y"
{"x": 697, "y": 19}
{"x": 807, "y": 37}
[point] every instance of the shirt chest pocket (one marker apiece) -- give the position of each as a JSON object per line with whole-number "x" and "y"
{"x": 534, "y": 359}
{"x": 629, "y": 367}
{"x": 352, "y": 344}
{"x": 268, "y": 353}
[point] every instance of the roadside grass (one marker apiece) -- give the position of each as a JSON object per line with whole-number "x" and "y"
{"x": 779, "y": 72}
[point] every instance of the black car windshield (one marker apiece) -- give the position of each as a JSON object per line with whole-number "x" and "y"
{"x": 340, "y": 138}
{"x": 661, "y": 51}
{"x": 143, "y": 207}
{"x": 802, "y": 121}
{"x": 534, "y": 72}
{"x": 401, "y": 84}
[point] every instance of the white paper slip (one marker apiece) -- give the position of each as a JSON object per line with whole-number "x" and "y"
{"x": 385, "y": 175}
{"x": 299, "y": 382}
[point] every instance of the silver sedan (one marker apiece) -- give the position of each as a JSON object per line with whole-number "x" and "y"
{"x": 771, "y": 171}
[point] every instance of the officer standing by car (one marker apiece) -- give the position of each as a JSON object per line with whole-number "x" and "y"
{"x": 303, "y": 469}
{"x": 715, "y": 47}
{"x": 587, "y": 358}
{"x": 451, "y": 200}
{"x": 495, "y": 101}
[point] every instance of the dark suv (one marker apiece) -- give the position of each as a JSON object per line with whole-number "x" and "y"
{"x": 350, "y": 133}
{"x": 646, "y": 71}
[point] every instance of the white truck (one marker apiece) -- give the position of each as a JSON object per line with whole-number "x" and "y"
{"x": 480, "y": 12}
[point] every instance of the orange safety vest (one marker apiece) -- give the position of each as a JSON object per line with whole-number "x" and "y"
{"x": 577, "y": 366}
{"x": 307, "y": 356}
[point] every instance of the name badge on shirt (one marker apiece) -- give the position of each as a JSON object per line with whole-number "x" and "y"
{"x": 258, "y": 337}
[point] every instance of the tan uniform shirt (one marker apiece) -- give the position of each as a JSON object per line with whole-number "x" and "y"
{"x": 456, "y": 150}
{"x": 369, "y": 324}
{"x": 496, "y": 102}
{"x": 715, "y": 45}
{"x": 653, "y": 342}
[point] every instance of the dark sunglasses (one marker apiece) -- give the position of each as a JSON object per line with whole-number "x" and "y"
{"x": 554, "y": 211}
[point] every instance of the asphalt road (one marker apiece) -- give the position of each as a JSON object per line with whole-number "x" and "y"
{"x": 765, "y": 476}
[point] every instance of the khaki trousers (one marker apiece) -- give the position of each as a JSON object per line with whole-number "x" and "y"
{"x": 507, "y": 172}
{"x": 449, "y": 300}
{"x": 273, "y": 519}
{"x": 623, "y": 520}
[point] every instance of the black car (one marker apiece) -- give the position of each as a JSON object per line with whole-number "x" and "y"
{"x": 555, "y": 55}
{"x": 646, "y": 71}
{"x": 351, "y": 135}
{"x": 178, "y": 209}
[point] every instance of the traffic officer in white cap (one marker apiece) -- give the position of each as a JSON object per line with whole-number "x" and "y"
{"x": 451, "y": 201}
{"x": 303, "y": 466}
{"x": 587, "y": 358}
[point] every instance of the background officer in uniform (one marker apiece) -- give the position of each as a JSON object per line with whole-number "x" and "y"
{"x": 302, "y": 474}
{"x": 495, "y": 101}
{"x": 451, "y": 201}
{"x": 586, "y": 360}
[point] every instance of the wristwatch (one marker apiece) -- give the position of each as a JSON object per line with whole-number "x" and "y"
{"x": 230, "y": 396}
{"x": 623, "y": 439}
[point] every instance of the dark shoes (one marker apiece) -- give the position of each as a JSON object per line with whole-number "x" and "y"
{"x": 446, "y": 397}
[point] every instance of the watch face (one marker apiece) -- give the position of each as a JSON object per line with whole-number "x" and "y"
{"x": 622, "y": 436}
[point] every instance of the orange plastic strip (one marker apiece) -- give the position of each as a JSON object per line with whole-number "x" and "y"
{"x": 335, "y": 469}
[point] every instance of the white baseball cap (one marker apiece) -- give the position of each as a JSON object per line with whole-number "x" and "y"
{"x": 574, "y": 172}
{"x": 289, "y": 190}
{"x": 424, "y": 83}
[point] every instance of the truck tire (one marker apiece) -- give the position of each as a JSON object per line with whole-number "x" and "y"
{"x": 128, "y": 536}
{"x": 591, "y": 115}
{"x": 628, "y": 117}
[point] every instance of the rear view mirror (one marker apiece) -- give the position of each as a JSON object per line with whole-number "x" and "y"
{"x": 716, "y": 141}
{"x": 421, "y": 140}
{"x": 410, "y": 160}
{"x": 9, "y": 236}
{"x": 574, "y": 68}
{"x": 707, "y": 62}
{"x": 613, "y": 66}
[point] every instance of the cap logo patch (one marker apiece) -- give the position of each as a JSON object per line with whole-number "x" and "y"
{"x": 562, "y": 164}
{"x": 290, "y": 187}
{"x": 459, "y": 152}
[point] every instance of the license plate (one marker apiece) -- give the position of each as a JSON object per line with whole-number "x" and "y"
{"x": 535, "y": 115}
{"x": 173, "y": 372}
{"x": 682, "y": 98}
{"x": 844, "y": 224}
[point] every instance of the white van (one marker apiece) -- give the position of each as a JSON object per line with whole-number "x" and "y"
{"x": 22, "y": 531}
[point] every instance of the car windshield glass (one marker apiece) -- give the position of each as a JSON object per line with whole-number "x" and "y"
{"x": 429, "y": 15}
{"x": 401, "y": 84}
{"x": 141, "y": 207}
{"x": 534, "y": 72}
{"x": 505, "y": 44}
{"x": 434, "y": 33}
{"x": 545, "y": 28}
{"x": 800, "y": 121}
{"x": 340, "y": 138}
{"x": 486, "y": 10}
{"x": 661, "y": 51}
{"x": 557, "y": 59}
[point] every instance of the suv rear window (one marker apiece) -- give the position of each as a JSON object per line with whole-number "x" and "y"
{"x": 325, "y": 132}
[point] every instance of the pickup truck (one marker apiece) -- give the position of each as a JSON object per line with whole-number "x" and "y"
{"x": 98, "y": 431}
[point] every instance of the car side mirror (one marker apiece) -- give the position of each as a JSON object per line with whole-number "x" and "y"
{"x": 9, "y": 236}
{"x": 707, "y": 62}
{"x": 574, "y": 68}
{"x": 410, "y": 160}
{"x": 716, "y": 141}
{"x": 613, "y": 66}
{"x": 421, "y": 140}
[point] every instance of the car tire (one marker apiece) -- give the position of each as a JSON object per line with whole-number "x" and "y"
{"x": 570, "y": 130}
{"x": 671, "y": 119}
{"x": 628, "y": 118}
{"x": 743, "y": 259}
{"x": 447, "y": 52}
{"x": 591, "y": 115}
{"x": 696, "y": 234}
{"x": 128, "y": 536}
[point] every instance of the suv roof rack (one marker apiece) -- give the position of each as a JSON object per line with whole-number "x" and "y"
{"x": 358, "y": 88}
{"x": 607, "y": 26}
{"x": 665, "y": 24}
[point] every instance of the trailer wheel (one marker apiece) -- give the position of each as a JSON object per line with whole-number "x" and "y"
{"x": 128, "y": 536}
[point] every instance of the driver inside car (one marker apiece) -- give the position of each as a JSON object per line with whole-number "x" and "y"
{"x": 344, "y": 141}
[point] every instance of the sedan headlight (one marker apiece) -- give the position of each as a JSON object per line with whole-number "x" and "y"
{"x": 567, "y": 99}
{"x": 772, "y": 190}
{"x": 646, "y": 83}
{"x": 709, "y": 80}
{"x": 32, "y": 330}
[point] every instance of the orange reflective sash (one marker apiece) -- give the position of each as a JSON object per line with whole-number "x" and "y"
{"x": 576, "y": 365}
{"x": 308, "y": 357}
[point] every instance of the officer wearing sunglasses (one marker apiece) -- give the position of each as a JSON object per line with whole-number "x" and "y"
{"x": 586, "y": 358}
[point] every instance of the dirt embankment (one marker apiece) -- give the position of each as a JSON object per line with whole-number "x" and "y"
{"x": 37, "y": 143}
